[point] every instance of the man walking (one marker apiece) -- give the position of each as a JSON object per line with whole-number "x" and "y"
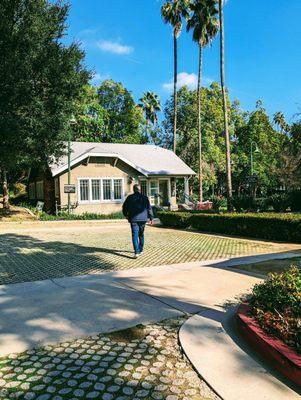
{"x": 138, "y": 211}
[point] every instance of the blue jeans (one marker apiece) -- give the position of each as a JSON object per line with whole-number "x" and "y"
{"x": 138, "y": 236}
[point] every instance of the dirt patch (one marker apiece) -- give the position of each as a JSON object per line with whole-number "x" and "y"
{"x": 15, "y": 214}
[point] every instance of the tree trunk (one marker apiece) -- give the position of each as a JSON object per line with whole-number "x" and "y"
{"x": 5, "y": 190}
{"x": 175, "y": 94}
{"x": 200, "y": 123}
{"x": 226, "y": 127}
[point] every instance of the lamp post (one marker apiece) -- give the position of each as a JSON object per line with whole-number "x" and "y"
{"x": 72, "y": 121}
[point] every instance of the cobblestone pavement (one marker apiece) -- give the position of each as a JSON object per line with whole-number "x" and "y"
{"x": 144, "y": 362}
{"x": 51, "y": 252}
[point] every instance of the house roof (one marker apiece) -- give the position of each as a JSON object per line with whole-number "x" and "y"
{"x": 147, "y": 159}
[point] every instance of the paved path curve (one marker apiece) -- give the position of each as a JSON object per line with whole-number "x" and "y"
{"x": 210, "y": 342}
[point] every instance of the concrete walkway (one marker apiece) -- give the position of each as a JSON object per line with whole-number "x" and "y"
{"x": 49, "y": 311}
{"x": 227, "y": 364}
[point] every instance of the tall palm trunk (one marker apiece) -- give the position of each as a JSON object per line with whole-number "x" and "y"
{"x": 226, "y": 127}
{"x": 200, "y": 122}
{"x": 175, "y": 94}
{"x": 5, "y": 189}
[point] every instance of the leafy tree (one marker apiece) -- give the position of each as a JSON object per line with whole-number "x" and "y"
{"x": 173, "y": 11}
{"x": 213, "y": 159}
{"x": 204, "y": 23}
{"x": 124, "y": 119}
{"x": 40, "y": 77}
{"x": 270, "y": 143}
{"x": 225, "y": 108}
{"x": 90, "y": 116}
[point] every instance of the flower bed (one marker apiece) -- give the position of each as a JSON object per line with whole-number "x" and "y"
{"x": 282, "y": 357}
{"x": 271, "y": 321}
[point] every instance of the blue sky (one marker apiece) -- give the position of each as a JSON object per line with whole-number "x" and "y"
{"x": 128, "y": 42}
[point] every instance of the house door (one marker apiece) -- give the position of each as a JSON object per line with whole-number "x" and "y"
{"x": 163, "y": 192}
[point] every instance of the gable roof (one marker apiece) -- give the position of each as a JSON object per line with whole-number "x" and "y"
{"x": 145, "y": 158}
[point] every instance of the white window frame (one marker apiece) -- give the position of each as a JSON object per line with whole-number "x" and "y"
{"x": 101, "y": 179}
{"x": 146, "y": 184}
{"x": 91, "y": 192}
{"x": 80, "y": 201}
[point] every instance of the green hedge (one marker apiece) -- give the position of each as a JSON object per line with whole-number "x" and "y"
{"x": 282, "y": 227}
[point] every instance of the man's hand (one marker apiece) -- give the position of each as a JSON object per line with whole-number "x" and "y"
{"x": 151, "y": 222}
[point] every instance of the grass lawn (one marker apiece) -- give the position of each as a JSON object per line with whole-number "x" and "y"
{"x": 270, "y": 266}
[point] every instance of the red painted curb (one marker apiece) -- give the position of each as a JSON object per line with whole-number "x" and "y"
{"x": 282, "y": 358}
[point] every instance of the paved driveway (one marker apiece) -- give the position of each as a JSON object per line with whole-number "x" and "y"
{"x": 41, "y": 250}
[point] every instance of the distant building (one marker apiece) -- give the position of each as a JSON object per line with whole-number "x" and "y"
{"x": 104, "y": 174}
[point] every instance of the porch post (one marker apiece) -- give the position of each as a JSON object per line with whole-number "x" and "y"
{"x": 186, "y": 188}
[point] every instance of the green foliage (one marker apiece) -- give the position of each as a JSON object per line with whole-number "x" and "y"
{"x": 203, "y": 21}
{"x": 173, "y": 12}
{"x": 276, "y": 304}
{"x": 258, "y": 130}
{"x": 295, "y": 200}
{"x": 85, "y": 216}
{"x": 244, "y": 203}
{"x": 213, "y": 141}
{"x": 40, "y": 79}
{"x": 90, "y": 116}
{"x": 282, "y": 227}
{"x": 123, "y": 121}
{"x": 218, "y": 203}
{"x": 279, "y": 201}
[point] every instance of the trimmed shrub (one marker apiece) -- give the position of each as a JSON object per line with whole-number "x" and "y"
{"x": 43, "y": 216}
{"x": 276, "y": 305}
{"x": 282, "y": 227}
{"x": 295, "y": 200}
{"x": 280, "y": 202}
{"x": 175, "y": 219}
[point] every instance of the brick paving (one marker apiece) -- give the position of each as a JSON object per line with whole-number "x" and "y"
{"x": 144, "y": 362}
{"x": 53, "y": 252}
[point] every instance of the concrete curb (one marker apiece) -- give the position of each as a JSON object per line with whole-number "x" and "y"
{"x": 212, "y": 346}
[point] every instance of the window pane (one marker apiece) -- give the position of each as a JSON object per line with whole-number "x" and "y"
{"x": 117, "y": 189}
{"x": 143, "y": 187}
{"x": 95, "y": 189}
{"x": 84, "y": 189}
{"x": 153, "y": 188}
{"x": 107, "y": 192}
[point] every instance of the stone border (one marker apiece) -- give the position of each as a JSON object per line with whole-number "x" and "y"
{"x": 283, "y": 358}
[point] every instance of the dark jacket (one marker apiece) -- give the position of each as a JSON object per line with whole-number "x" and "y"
{"x": 137, "y": 208}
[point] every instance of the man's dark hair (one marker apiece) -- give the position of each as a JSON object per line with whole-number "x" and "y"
{"x": 136, "y": 188}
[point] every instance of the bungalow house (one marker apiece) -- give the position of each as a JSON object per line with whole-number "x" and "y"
{"x": 103, "y": 174}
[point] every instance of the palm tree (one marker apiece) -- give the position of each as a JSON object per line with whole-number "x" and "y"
{"x": 151, "y": 105}
{"x": 279, "y": 120}
{"x": 204, "y": 23}
{"x": 172, "y": 13}
{"x": 226, "y": 126}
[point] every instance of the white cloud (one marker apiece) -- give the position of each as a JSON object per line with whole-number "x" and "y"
{"x": 97, "y": 78}
{"x": 114, "y": 47}
{"x": 186, "y": 79}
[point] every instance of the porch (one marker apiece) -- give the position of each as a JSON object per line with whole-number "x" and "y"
{"x": 165, "y": 191}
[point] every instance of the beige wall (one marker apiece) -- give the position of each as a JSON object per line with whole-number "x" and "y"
{"x": 98, "y": 168}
